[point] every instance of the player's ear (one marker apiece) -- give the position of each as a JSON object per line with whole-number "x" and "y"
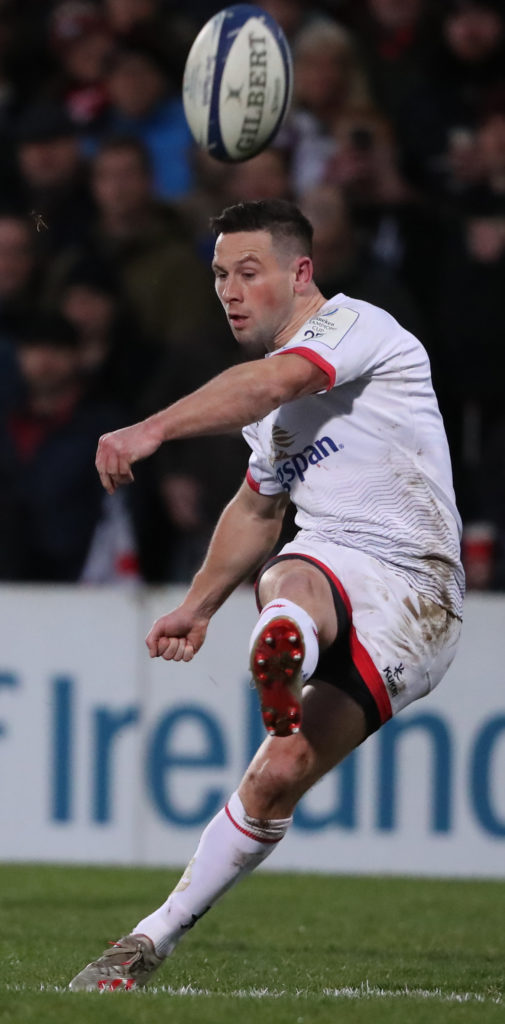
{"x": 303, "y": 272}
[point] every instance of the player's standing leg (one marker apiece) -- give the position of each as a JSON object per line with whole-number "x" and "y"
{"x": 240, "y": 836}
{"x": 256, "y": 817}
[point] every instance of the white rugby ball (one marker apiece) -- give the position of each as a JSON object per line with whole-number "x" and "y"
{"x": 237, "y": 82}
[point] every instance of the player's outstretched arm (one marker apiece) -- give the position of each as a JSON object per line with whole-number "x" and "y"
{"x": 242, "y": 540}
{"x": 240, "y": 395}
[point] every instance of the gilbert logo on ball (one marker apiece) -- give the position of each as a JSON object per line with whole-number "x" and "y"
{"x": 237, "y": 82}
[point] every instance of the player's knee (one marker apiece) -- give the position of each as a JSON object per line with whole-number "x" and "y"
{"x": 291, "y": 581}
{"x": 306, "y": 587}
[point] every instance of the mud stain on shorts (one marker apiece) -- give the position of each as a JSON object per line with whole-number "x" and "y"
{"x": 435, "y": 622}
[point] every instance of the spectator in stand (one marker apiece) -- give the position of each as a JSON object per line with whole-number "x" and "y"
{"x": 487, "y": 194}
{"x": 24, "y": 62}
{"x": 291, "y": 15}
{"x": 146, "y": 102}
{"x": 185, "y": 487}
{"x": 114, "y": 359}
{"x": 50, "y": 501}
{"x": 20, "y": 276}
{"x": 154, "y": 23}
{"x": 464, "y": 82}
{"x": 469, "y": 324}
{"x": 146, "y": 242}
{"x": 81, "y": 42}
{"x": 396, "y": 39}
{"x": 209, "y": 193}
{"x": 343, "y": 263}
{"x": 265, "y": 176}
{"x": 329, "y": 80}
{"x": 12, "y": 96}
{"x": 492, "y": 146}
{"x": 54, "y": 183}
{"x": 365, "y": 163}
{"x": 133, "y": 18}
{"x": 397, "y": 226}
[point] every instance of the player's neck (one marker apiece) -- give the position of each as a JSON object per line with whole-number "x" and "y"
{"x": 307, "y": 308}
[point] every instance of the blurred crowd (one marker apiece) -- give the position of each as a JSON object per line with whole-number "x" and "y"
{"x": 394, "y": 147}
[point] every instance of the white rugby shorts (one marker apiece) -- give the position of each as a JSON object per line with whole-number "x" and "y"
{"x": 399, "y": 643}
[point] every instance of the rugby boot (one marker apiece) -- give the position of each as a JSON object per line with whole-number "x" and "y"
{"x": 128, "y": 964}
{"x": 276, "y": 665}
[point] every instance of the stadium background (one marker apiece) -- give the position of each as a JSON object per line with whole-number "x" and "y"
{"x": 395, "y": 148}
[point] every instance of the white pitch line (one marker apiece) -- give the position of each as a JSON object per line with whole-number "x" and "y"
{"x": 361, "y": 992}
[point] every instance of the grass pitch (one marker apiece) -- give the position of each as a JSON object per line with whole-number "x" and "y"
{"x": 289, "y": 949}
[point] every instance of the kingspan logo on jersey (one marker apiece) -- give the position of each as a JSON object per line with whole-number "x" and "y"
{"x": 296, "y": 467}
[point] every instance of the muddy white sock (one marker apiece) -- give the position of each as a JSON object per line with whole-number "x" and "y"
{"x": 231, "y": 846}
{"x": 282, "y": 607}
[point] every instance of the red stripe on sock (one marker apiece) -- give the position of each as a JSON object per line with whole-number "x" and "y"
{"x": 244, "y": 831}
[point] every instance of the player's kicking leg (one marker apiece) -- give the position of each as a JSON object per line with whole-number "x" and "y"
{"x": 297, "y": 620}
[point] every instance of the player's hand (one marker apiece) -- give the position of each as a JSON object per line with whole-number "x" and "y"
{"x": 177, "y": 636}
{"x": 118, "y": 450}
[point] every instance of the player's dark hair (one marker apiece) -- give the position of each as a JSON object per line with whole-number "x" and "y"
{"x": 282, "y": 219}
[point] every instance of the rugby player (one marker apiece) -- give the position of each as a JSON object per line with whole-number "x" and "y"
{"x": 360, "y": 614}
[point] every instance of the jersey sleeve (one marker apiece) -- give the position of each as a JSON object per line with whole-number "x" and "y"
{"x": 341, "y": 343}
{"x": 260, "y": 475}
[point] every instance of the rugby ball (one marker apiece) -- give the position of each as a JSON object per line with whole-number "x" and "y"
{"x": 237, "y": 82}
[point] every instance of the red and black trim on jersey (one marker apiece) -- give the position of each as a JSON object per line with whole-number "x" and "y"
{"x": 346, "y": 664}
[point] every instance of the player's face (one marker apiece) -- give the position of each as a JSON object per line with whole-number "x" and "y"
{"x": 254, "y": 283}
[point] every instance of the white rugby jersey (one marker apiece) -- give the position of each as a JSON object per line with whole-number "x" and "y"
{"x": 366, "y": 462}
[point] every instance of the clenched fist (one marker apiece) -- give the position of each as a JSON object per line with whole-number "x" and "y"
{"x": 118, "y": 450}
